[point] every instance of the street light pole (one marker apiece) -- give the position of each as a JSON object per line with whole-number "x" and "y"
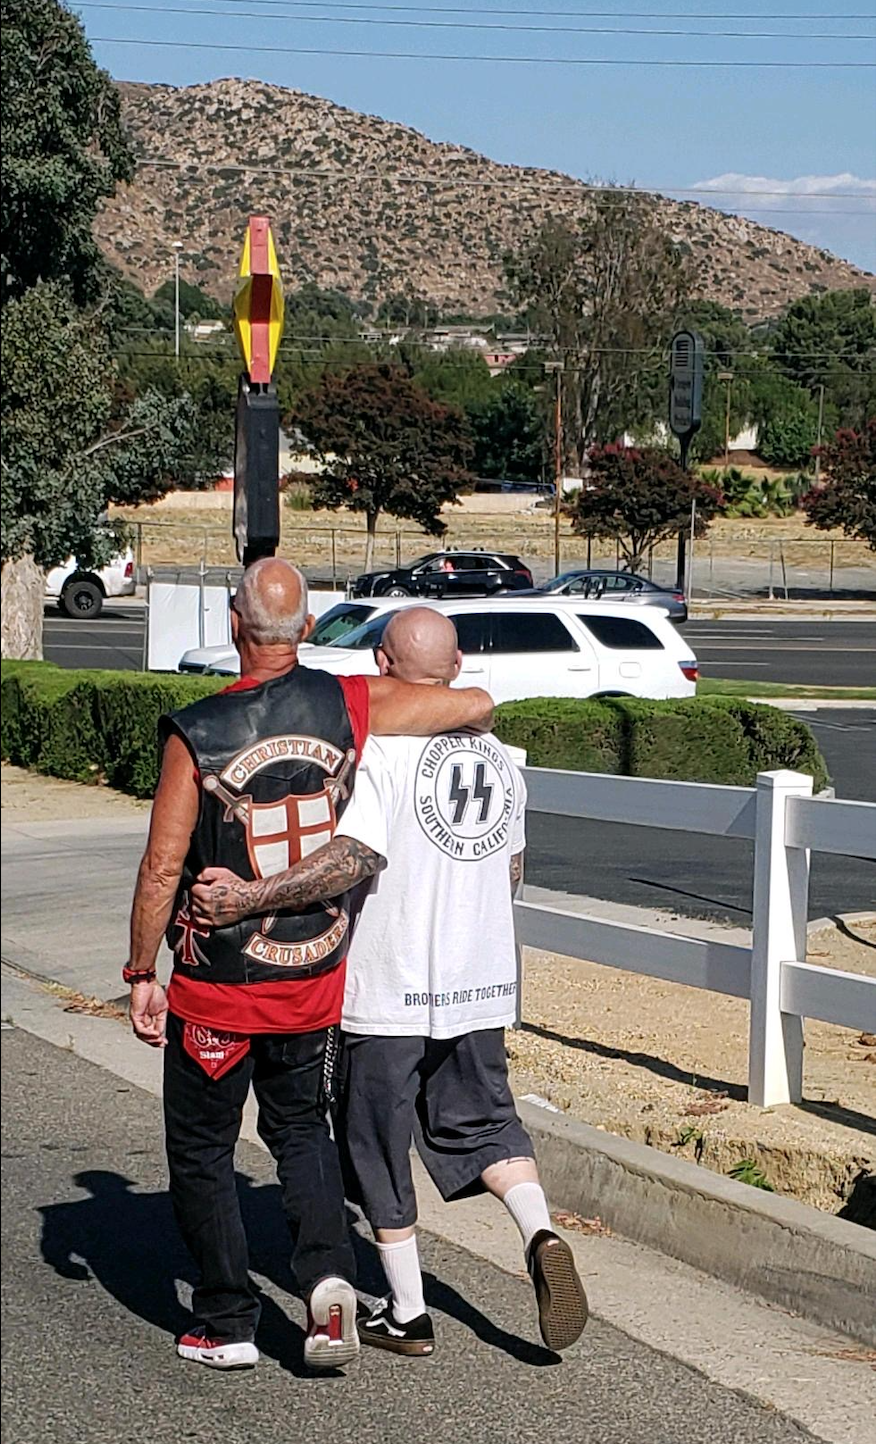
{"x": 177, "y": 247}
{"x": 820, "y": 430}
{"x": 557, "y": 368}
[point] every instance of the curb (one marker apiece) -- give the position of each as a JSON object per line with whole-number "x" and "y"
{"x": 809, "y": 1263}
{"x": 816, "y": 704}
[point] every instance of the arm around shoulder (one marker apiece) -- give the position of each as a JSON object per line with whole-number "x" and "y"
{"x": 413, "y": 710}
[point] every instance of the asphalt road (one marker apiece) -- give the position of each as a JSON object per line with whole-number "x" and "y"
{"x": 708, "y": 877}
{"x": 830, "y": 654}
{"x": 93, "y": 1269}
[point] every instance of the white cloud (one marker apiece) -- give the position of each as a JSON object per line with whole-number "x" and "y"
{"x": 836, "y": 212}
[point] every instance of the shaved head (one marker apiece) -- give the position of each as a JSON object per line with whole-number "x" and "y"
{"x": 271, "y": 603}
{"x": 420, "y": 645}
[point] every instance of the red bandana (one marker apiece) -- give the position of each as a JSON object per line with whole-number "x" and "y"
{"x": 216, "y": 1052}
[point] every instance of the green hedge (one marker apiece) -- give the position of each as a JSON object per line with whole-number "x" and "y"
{"x": 101, "y": 726}
{"x": 91, "y": 726}
{"x": 698, "y": 739}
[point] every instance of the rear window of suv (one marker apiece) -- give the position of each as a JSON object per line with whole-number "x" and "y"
{"x": 621, "y": 634}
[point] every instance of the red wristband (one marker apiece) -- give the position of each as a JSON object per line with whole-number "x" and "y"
{"x": 138, "y": 975}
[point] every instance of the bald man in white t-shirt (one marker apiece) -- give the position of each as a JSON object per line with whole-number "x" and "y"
{"x": 436, "y": 829}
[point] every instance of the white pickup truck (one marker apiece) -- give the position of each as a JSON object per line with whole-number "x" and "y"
{"x": 82, "y": 593}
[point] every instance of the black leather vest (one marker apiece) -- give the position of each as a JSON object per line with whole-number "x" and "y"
{"x": 276, "y": 765}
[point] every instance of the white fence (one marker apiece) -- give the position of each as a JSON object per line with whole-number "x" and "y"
{"x": 785, "y": 822}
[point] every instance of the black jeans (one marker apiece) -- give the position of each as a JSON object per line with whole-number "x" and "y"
{"x": 202, "y": 1118}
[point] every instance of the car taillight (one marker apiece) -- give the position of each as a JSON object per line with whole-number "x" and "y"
{"x": 678, "y": 596}
{"x": 691, "y": 671}
{"x": 129, "y": 570}
{"x": 524, "y": 572}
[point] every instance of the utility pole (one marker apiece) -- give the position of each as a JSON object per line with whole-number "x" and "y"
{"x": 557, "y": 368}
{"x": 728, "y": 377}
{"x": 820, "y": 429}
{"x": 686, "y": 363}
{"x": 177, "y": 247}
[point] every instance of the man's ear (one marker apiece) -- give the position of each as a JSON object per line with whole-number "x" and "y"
{"x": 457, "y": 667}
{"x": 382, "y": 661}
{"x": 235, "y": 626}
{"x": 309, "y": 624}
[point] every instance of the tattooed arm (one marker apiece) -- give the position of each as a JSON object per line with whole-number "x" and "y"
{"x": 220, "y": 897}
{"x": 515, "y": 871}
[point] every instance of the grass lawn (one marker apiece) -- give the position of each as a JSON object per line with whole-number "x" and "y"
{"x": 727, "y": 687}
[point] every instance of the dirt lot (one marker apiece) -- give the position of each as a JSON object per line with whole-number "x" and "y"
{"x": 665, "y": 1065}
{"x": 653, "y": 1061}
{"x": 168, "y": 534}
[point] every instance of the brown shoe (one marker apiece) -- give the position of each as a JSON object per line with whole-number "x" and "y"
{"x": 562, "y": 1302}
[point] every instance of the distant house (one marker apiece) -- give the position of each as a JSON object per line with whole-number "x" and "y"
{"x": 204, "y": 330}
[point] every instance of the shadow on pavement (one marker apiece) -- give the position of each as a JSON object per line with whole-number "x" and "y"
{"x": 127, "y": 1242}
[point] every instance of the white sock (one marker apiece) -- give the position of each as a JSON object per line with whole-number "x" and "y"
{"x": 401, "y": 1264}
{"x": 527, "y": 1206}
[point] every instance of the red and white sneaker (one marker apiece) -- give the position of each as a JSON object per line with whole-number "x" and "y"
{"x": 200, "y": 1348}
{"x": 332, "y": 1338}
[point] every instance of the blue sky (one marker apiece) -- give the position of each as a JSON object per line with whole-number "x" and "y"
{"x": 807, "y": 133}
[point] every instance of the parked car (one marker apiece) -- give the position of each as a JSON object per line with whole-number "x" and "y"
{"x": 592, "y": 583}
{"x": 538, "y": 647}
{"x": 81, "y": 593}
{"x": 448, "y": 574}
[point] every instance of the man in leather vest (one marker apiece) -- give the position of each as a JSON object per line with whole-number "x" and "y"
{"x": 254, "y": 778}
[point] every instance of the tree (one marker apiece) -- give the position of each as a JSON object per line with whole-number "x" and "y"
{"x": 73, "y": 439}
{"x": 386, "y": 446}
{"x": 830, "y": 341}
{"x": 788, "y": 437}
{"x": 509, "y": 433}
{"x": 605, "y": 289}
{"x": 64, "y": 149}
{"x": 638, "y": 498}
{"x": 848, "y": 497}
{"x": 193, "y": 302}
{"x": 69, "y": 451}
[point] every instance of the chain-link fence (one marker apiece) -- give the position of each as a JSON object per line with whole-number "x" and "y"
{"x": 722, "y": 564}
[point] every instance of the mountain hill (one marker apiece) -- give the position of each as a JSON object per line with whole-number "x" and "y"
{"x": 373, "y": 208}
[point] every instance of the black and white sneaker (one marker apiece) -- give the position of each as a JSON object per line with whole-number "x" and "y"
{"x": 562, "y": 1302}
{"x": 383, "y": 1331}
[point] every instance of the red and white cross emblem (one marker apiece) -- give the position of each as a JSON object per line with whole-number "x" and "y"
{"x": 279, "y": 834}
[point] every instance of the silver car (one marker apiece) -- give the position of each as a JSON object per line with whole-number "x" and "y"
{"x": 594, "y": 583}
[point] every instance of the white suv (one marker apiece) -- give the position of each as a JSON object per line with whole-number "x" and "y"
{"x": 534, "y": 647}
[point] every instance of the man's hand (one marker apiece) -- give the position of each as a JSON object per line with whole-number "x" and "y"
{"x": 149, "y": 1013}
{"x": 220, "y": 898}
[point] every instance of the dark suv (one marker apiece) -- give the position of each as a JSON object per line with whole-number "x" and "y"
{"x": 448, "y": 574}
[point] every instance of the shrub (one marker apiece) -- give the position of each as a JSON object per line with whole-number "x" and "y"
{"x": 90, "y": 726}
{"x": 698, "y": 739}
{"x": 102, "y": 726}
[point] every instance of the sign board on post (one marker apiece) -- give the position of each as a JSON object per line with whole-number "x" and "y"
{"x": 258, "y": 326}
{"x": 686, "y": 387}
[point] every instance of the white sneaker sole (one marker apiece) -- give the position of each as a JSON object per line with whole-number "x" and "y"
{"x": 332, "y": 1299}
{"x": 227, "y": 1356}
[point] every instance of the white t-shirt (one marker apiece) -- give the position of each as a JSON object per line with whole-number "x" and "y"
{"x": 432, "y": 952}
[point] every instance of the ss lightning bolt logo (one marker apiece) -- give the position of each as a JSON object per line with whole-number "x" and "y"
{"x": 461, "y": 795}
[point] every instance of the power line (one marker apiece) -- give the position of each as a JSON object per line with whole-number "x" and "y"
{"x": 469, "y": 25}
{"x": 560, "y": 14}
{"x": 566, "y": 60}
{"x": 540, "y": 181}
{"x": 543, "y": 342}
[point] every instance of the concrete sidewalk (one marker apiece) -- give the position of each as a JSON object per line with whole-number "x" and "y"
{"x": 95, "y": 1280}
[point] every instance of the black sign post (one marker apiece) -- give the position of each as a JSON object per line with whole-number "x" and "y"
{"x": 686, "y": 365}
